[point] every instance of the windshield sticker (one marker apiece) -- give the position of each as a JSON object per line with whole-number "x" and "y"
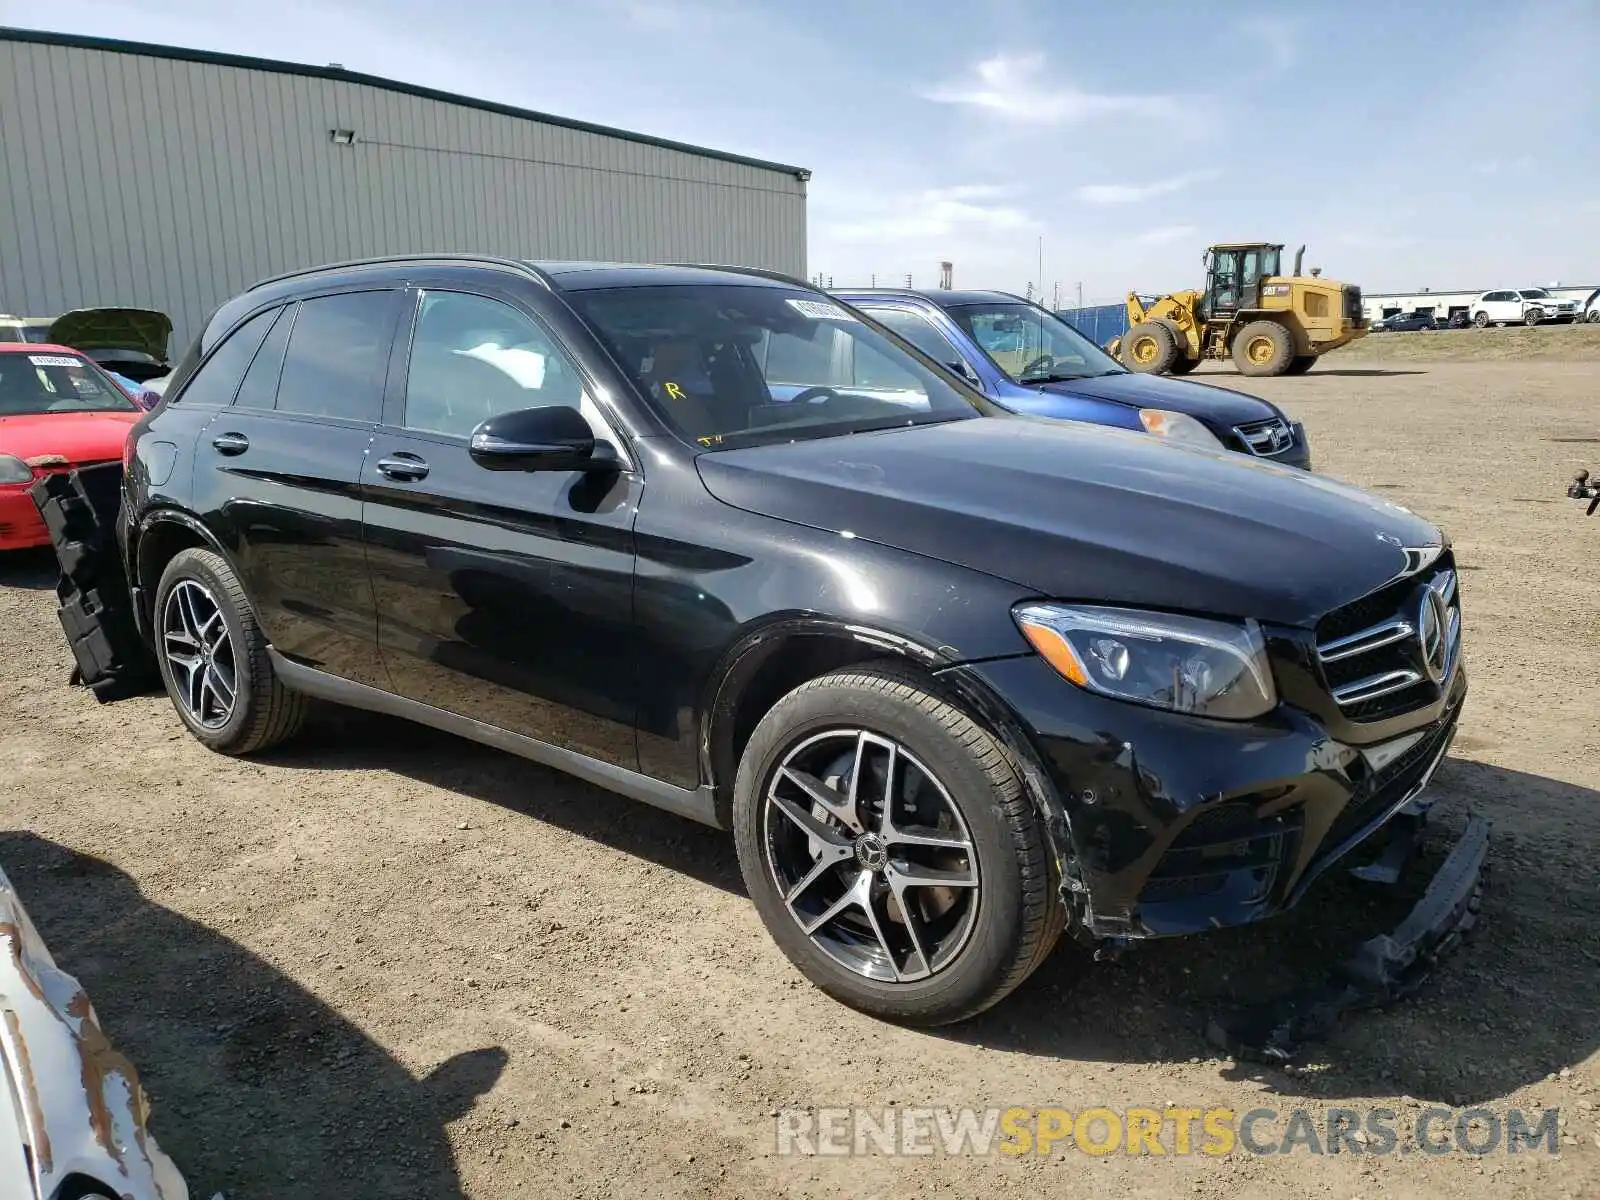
{"x": 821, "y": 310}
{"x": 53, "y": 360}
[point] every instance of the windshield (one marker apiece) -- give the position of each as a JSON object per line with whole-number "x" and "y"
{"x": 731, "y": 365}
{"x": 42, "y": 383}
{"x": 1032, "y": 346}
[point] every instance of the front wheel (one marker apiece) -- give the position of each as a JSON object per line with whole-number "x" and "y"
{"x": 1532, "y": 317}
{"x": 213, "y": 659}
{"x": 891, "y": 849}
{"x": 1263, "y": 348}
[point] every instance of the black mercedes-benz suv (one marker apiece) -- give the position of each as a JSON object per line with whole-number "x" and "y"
{"x": 956, "y": 679}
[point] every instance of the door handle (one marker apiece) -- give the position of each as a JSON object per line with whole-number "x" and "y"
{"x": 407, "y": 468}
{"x": 231, "y": 443}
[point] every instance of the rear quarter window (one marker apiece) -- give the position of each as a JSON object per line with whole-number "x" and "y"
{"x": 216, "y": 380}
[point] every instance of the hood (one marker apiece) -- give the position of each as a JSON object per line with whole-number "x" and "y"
{"x": 80, "y": 438}
{"x": 1214, "y": 405}
{"x": 1084, "y": 512}
{"x": 141, "y": 329}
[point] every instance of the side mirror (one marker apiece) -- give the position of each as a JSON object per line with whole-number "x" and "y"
{"x": 964, "y": 369}
{"x": 553, "y": 438}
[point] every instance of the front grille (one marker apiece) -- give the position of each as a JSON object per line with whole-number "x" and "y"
{"x": 1372, "y": 654}
{"x": 1265, "y": 438}
{"x": 1352, "y": 303}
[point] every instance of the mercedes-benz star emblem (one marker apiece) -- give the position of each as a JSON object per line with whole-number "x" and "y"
{"x": 1433, "y": 626}
{"x": 871, "y": 853}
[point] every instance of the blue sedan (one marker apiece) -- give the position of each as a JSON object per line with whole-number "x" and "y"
{"x": 1026, "y": 359}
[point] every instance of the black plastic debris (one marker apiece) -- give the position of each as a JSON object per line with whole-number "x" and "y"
{"x": 1383, "y": 970}
{"x": 94, "y": 604}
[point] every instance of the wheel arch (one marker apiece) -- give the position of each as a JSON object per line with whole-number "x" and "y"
{"x": 766, "y": 664}
{"x": 160, "y": 536}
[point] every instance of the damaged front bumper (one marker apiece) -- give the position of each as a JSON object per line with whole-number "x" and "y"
{"x": 71, "y": 1106}
{"x": 1166, "y": 824}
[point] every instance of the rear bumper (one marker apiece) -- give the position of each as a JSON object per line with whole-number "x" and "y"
{"x": 1179, "y": 825}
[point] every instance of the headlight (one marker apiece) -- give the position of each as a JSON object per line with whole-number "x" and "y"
{"x": 1177, "y": 427}
{"x": 1186, "y": 664}
{"x": 14, "y": 470}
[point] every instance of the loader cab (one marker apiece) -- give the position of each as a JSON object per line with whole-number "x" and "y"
{"x": 1234, "y": 274}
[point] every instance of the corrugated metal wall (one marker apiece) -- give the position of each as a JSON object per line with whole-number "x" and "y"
{"x": 170, "y": 184}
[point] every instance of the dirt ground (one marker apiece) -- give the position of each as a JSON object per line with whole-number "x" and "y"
{"x": 384, "y": 962}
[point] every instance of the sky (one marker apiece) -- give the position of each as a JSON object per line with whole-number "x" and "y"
{"x": 1408, "y": 145}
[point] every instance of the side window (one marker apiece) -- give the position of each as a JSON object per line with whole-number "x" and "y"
{"x": 920, "y": 332}
{"x": 260, "y": 386}
{"x": 218, "y": 378}
{"x": 336, "y": 355}
{"x": 473, "y": 358}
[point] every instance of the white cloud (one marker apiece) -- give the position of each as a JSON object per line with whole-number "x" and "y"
{"x": 1012, "y": 88}
{"x": 1374, "y": 241}
{"x": 1161, "y": 235}
{"x": 1133, "y": 193}
{"x": 960, "y": 211}
{"x": 1278, "y": 40}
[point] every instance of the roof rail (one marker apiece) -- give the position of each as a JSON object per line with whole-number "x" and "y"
{"x": 516, "y": 264}
{"x": 759, "y": 272}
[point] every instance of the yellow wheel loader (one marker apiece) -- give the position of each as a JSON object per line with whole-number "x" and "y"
{"x": 1267, "y": 323}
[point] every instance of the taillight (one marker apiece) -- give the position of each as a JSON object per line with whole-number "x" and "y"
{"x": 127, "y": 450}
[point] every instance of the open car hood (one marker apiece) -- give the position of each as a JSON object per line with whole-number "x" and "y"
{"x": 142, "y": 329}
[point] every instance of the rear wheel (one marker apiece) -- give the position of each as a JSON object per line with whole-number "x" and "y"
{"x": 1481, "y": 320}
{"x": 1263, "y": 348}
{"x": 891, "y": 850}
{"x": 213, "y": 659}
{"x": 1301, "y": 363}
{"x": 1149, "y": 347}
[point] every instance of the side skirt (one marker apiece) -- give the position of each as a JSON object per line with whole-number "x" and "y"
{"x": 698, "y": 804}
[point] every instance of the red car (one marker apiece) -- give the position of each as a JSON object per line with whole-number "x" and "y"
{"x": 58, "y": 410}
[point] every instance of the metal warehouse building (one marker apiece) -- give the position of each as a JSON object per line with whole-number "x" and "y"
{"x": 158, "y": 177}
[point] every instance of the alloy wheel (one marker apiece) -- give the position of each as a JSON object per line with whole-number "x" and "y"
{"x": 198, "y": 649}
{"x": 872, "y": 857}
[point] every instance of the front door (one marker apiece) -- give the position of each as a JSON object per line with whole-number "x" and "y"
{"x": 504, "y": 596}
{"x": 277, "y": 473}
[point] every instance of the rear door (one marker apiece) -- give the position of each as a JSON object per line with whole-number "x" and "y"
{"x": 504, "y": 596}
{"x": 279, "y": 472}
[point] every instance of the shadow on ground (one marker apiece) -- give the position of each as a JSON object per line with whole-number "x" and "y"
{"x": 1360, "y": 372}
{"x": 36, "y": 568}
{"x": 1513, "y": 1005}
{"x": 258, "y": 1088}
{"x": 347, "y": 739}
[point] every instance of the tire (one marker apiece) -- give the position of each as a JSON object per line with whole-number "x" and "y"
{"x": 1149, "y": 348}
{"x": 1481, "y": 320}
{"x": 1301, "y": 363}
{"x": 1594, "y": 316}
{"x": 1183, "y": 364}
{"x": 1263, "y": 348}
{"x": 1532, "y": 317}
{"x": 997, "y": 929}
{"x": 262, "y": 712}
